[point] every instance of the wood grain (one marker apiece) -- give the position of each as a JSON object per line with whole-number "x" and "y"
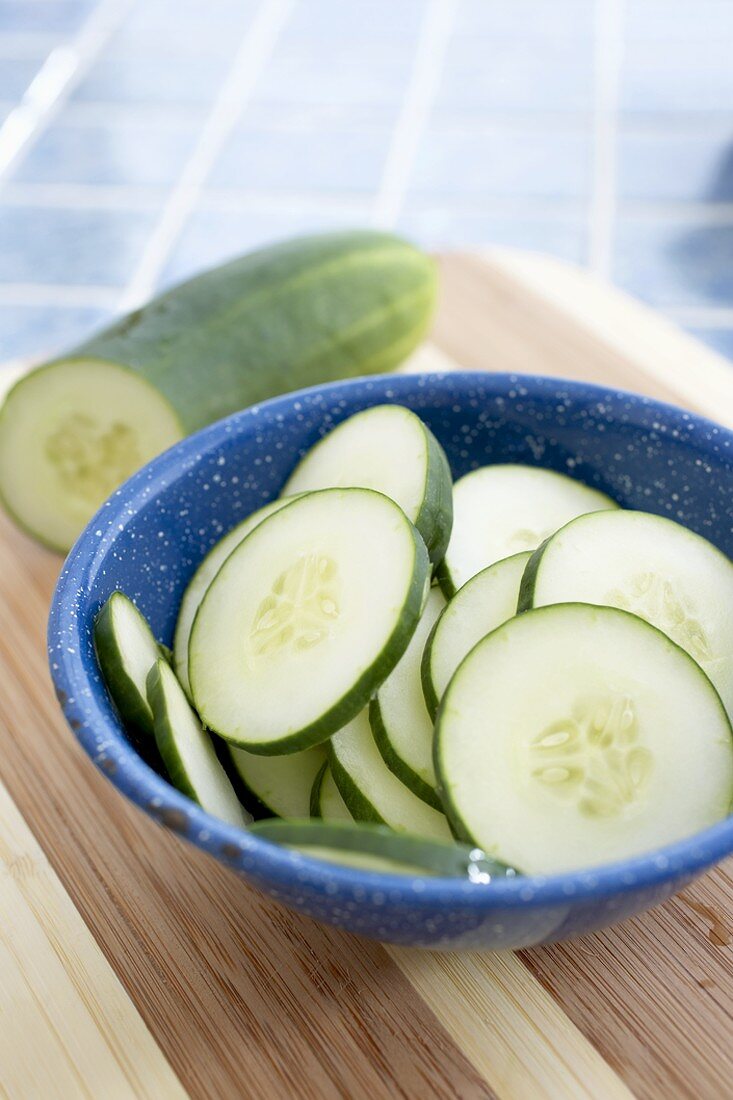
{"x": 246, "y": 999}
{"x": 68, "y": 1027}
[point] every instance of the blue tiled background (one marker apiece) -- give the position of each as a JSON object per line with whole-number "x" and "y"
{"x": 143, "y": 139}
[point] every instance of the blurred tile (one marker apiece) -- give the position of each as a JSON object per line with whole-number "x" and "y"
{"x": 65, "y": 16}
{"x": 117, "y": 153}
{"x": 686, "y": 20}
{"x": 677, "y": 166}
{"x": 562, "y": 236}
{"x": 194, "y": 16}
{"x": 679, "y": 74}
{"x": 16, "y": 74}
{"x": 326, "y": 19}
{"x": 327, "y": 73}
{"x": 302, "y": 160}
{"x": 212, "y": 236}
{"x": 184, "y": 29}
{"x": 526, "y": 18}
{"x": 152, "y": 79}
{"x": 78, "y": 247}
{"x": 36, "y": 331}
{"x": 483, "y": 75}
{"x": 721, "y": 339}
{"x": 505, "y": 162}
{"x": 675, "y": 261}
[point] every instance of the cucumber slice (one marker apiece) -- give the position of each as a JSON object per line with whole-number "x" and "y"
{"x": 305, "y": 618}
{"x": 186, "y": 748}
{"x": 279, "y": 785}
{"x": 376, "y": 848}
{"x": 372, "y": 792}
{"x": 201, "y": 580}
{"x": 402, "y": 727}
{"x": 126, "y": 651}
{"x": 650, "y": 566}
{"x": 326, "y": 801}
{"x": 575, "y": 735}
{"x": 484, "y": 602}
{"x": 498, "y": 511}
{"x": 387, "y": 448}
{"x": 69, "y": 434}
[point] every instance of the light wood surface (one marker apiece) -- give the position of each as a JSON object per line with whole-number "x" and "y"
{"x": 139, "y": 963}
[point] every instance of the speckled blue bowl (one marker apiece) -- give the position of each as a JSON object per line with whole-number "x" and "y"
{"x": 149, "y": 537}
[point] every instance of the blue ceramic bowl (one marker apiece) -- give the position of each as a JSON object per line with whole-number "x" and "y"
{"x": 149, "y": 537}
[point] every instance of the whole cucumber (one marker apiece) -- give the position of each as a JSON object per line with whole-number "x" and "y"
{"x": 296, "y": 314}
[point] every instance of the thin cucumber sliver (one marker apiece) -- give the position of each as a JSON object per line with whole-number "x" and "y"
{"x": 279, "y": 786}
{"x": 326, "y": 802}
{"x": 202, "y": 578}
{"x": 187, "y": 749}
{"x": 401, "y": 724}
{"x": 480, "y": 606}
{"x": 126, "y": 650}
{"x": 376, "y": 848}
{"x": 370, "y": 789}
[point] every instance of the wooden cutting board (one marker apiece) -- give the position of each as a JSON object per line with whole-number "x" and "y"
{"x": 132, "y": 965}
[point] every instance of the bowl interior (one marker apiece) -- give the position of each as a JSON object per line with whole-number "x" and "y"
{"x": 151, "y": 534}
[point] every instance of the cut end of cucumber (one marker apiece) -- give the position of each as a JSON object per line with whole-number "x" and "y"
{"x": 70, "y": 433}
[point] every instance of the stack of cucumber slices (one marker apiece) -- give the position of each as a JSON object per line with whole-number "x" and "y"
{"x": 509, "y": 675}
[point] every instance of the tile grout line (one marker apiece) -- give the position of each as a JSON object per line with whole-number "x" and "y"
{"x": 58, "y": 294}
{"x": 252, "y": 56}
{"x": 55, "y": 79}
{"x": 609, "y": 16}
{"x": 431, "y": 47}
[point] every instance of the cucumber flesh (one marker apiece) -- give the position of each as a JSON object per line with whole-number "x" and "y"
{"x": 402, "y": 727}
{"x": 389, "y": 449}
{"x": 70, "y": 432}
{"x": 499, "y": 511}
{"x": 280, "y": 784}
{"x": 126, "y": 651}
{"x": 201, "y": 580}
{"x": 372, "y": 792}
{"x": 603, "y": 739}
{"x": 326, "y": 801}
{"x": 653, "y": 567}
{"x": 305, "y": 618}
{"x": 480, "y": 606}
{"x": 187, "y": 750}
{"x": 376, "y": 848}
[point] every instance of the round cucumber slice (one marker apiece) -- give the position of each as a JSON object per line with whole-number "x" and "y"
{"x": 651, "y": 566}
{"x": 574, "y": 735}
{"x": 186, "y": 748}
{"x": 402, "y": 727}
{"x": 484, "y": 602}
{"x": 305, "y": 618}
{"x": 500, "y": 511}
{"x": 70, "y": 432}
{"x": 372, "y": 792}
{"x": 203, "y": 577}
{"x": 126, "y": 651}
{"x": 326, "y": 801}
{"x": 387, "y": 448}
{"x": 280, "y": 786}
{"x": 376, "y": 848}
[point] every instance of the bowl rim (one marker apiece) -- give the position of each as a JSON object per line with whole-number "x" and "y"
{"x": 88, "y": 711}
